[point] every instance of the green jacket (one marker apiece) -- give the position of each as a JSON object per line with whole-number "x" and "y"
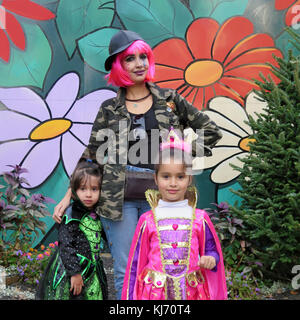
{"x": 113, "y": 111}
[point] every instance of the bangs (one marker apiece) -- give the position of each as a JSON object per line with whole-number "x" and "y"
{"x": 82, "y": 174}
{"x": 137, "y": 46}
{"x": 175, "y": 155}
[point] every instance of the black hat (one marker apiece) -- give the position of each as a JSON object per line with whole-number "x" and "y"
{"x": 118, "y": 43}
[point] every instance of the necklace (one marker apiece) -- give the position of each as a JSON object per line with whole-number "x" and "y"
{"x": 140, "y": 99}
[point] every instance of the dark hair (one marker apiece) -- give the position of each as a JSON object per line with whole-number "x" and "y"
{"x": 178, "y": 155}
{"x": 82, "y": 170}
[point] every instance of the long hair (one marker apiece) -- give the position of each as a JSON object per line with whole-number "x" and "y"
{"x": 120, "y": 77}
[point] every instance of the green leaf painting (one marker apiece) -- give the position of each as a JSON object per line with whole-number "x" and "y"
{"x": 52, "y": 55}
{"x": 220, "y": 10}
{"x": 226, "y": 9}
{"x": 76, "y": 18}
{"x": 94, "y": 47}
{"x": 154, "y": 20}
{"x": 201, "y": 8}
{"x": 29, "y": 67}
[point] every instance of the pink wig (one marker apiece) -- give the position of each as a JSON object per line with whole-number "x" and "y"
{"x": 120, "y": 77}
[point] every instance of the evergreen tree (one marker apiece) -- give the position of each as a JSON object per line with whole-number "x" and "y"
{"x": 270, "y": 177}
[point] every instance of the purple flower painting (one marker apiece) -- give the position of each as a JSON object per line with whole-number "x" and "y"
{"x": 37, "y": 133}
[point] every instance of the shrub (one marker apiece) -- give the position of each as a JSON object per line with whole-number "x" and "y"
{"x": 20, "y": 215}
{"x": 270, "y": 177}
{"x": 234, "y": 247}
{"x": 228, "y": 230}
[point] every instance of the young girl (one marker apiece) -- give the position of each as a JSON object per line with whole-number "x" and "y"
{"x": 75, "y": 271}
{"x": 175, "y": 253}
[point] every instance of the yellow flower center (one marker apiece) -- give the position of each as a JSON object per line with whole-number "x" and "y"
{"x": 244, "y": 143}
{"x": 203, "y": 73}
{"x": 50, "y": 129}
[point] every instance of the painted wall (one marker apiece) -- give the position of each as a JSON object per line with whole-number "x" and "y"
{"x": 52, "y": 72}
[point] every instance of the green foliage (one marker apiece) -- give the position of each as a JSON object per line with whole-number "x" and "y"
{"x": 228, "y": 229}
{"x": 270, "y": 177}
{"x": 240, "y": 278}
{"x": 20, "y": 215}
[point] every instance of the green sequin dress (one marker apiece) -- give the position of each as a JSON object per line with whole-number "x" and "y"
{"x": 78, "y": 252}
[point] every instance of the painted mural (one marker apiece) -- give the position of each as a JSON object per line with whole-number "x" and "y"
{"x": 52, "y": 83}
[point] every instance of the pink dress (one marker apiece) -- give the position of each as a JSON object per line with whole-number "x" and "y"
{"x": 164, "y": 256}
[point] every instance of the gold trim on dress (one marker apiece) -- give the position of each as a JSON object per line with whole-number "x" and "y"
{"x": 158, "y": 279}
{"x": 203, "y": 223}
{"x": 178, "y": 245}
{"x": 180, "y": 261}
{"x": 170, "y": 227}
{"x": 153, "y": 196}
{"x": 195, "y": 277}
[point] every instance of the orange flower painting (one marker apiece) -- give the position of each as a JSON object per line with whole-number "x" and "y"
{"x": 215, "y": 60}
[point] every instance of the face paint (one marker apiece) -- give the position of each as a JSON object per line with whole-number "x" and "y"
{"x": 137, "y": 66}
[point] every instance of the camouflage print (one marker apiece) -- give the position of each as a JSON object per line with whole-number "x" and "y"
{"x": 170, "y": 110}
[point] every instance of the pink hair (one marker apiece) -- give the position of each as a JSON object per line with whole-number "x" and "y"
{"x": 118, "y": 76}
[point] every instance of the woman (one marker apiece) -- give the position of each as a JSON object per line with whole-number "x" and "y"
{"x": 140, "y": 109}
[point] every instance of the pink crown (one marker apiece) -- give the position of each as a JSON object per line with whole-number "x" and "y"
{"x": 173, "y": 141}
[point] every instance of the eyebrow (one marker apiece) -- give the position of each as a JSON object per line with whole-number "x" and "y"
{"x": 133, "y": 54}
{"x": 166, "y": 172}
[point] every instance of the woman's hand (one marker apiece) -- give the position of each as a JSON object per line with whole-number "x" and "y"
{"x": 60, "y": 208}
{"x": 207, "y": 262}
{"x": 76, "y": 284}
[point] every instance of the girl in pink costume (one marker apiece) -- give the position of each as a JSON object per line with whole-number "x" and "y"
{"x": 175, "y": 252}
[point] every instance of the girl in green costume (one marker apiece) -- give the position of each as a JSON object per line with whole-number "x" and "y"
{"x": 75, "y": 270}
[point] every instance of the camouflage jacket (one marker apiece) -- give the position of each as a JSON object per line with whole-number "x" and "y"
{"x": 170, "y": 109}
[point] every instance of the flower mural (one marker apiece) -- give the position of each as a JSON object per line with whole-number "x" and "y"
{"x": 209, "y": 50}
{"x": 38, "y": 133}
{"x": 11, "y": 29}
{"x": 292, "y": 16}
{"x": 230, "y": 116}
{"x": 215, "y": 60}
